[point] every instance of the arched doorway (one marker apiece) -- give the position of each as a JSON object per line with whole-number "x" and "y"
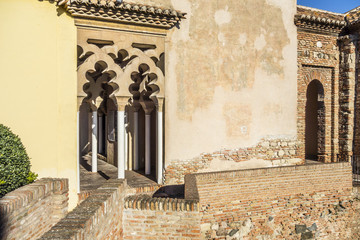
{"x": 314, "y": 121}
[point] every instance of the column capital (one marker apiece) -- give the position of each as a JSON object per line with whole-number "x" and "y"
{"x": 160, "y": 105}
{"x": 148, "y": 106}
{"x": 122, "y": 102}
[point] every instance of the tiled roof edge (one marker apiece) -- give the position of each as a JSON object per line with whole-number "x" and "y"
{"x": 129, "y": 13}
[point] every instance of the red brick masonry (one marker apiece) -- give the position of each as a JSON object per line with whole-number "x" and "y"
{"x": 296, "y": 202}
{"x": 161, "y": 218}
{"x": 276, "y": 203}
{"x": 97, "y": 217}
{"x": 30, "y": 211}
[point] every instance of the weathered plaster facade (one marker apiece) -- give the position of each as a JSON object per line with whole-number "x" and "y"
{"x": 210, "y": 104}
{"x": 219, "y": 62}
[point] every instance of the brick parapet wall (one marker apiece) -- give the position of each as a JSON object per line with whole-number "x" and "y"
{"x": 279, "y": 151}
{"x": 97, "y": 217}
{"x": 166, "y": 225}
{"x": 30, "y": 211}
{"x": 145, "y": 202}
{"x": 161, "y": 218}
{"x": 271, "y": 202}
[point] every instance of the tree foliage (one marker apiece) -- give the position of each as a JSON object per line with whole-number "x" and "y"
{"x": 14, "y": 162}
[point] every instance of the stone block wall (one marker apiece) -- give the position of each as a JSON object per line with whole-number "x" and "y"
{"x": 28, "y": 212}
{"x": 160, "y": 218}
{"x": 97, "y": 217}
{"x": 276, "y": 203}
{"x": 277, "y": 151}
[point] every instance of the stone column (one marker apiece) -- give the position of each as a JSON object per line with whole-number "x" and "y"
{"x": 136, "y": 105}
{"x": 347, "y": 96}
{"x": 147, "y": 144}
{"x": 148, "y": 107}
{"x": 121, "y": 144}
{"x": 159, "y": 138}
{"x": 121, "y": 139}
{"x": 126, "y": 142}
{"x": 136, "y": 140}
{"x": 101, "y": 134}
{"x": 94, "y": 127}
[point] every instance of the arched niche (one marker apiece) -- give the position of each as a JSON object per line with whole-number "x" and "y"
{"x": 314, "y": 121}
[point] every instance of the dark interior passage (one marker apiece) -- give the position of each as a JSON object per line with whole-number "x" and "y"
{"x": 313, "y": 120}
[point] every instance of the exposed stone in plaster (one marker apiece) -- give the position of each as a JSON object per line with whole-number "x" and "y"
{"x": 269, "y": 152}
{"x": 219, "y": 164}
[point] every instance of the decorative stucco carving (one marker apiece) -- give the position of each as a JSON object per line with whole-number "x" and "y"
{"x": 126, "y": 71}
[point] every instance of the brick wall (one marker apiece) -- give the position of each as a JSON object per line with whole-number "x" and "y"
{"x": 97, "y": 217}
{"x": 30, "y": 211}
{"x": 275, "y": 203}
{"x": 318, "y": 59}
{"x": 278, "y": 151}
{"x": 160, "y": 218}
{"x": 347, "y": 95}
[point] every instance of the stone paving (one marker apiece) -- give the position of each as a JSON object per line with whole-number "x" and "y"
{"x": 91, "y": 181}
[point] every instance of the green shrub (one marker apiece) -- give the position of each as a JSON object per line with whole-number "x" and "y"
{"x": 14, "y": 162}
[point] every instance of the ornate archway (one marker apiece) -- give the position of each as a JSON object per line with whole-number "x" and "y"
{"x": 127, "y": 76}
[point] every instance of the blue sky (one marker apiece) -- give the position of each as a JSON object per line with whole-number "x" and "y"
{"x": 339, "y": 6}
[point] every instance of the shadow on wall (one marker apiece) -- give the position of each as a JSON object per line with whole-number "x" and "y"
{"x": 171, "y": 191}
{"x": 3, "y": 223}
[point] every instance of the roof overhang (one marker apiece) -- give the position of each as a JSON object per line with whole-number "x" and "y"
{"x": 121, "y": 12}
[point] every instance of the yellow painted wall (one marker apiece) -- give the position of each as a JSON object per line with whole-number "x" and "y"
{"x": 38, "y": 85}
